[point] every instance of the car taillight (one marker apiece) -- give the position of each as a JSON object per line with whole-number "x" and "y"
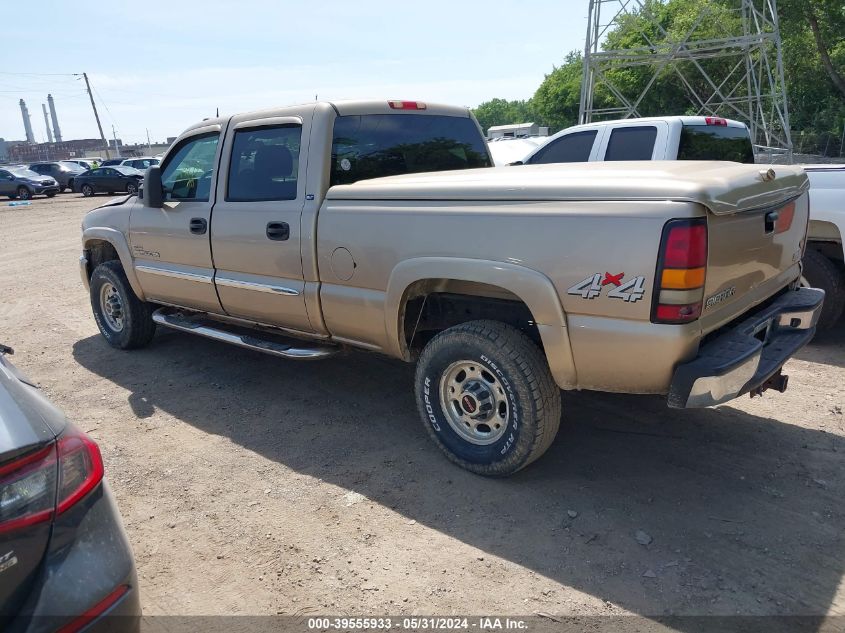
{"x": 681, "y": 272}
{"x": 714, "y": 120}
{"x": 406, "y": 105}
{"x": 28, "y": 490}
{"x": 80, "y": 467}
{"x": 51, "y": 480}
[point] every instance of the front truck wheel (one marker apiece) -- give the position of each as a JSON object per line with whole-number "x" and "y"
{"x": 487, "y": 397}
{"x": 124, "y": 320}
{"x": 821, "y": 272}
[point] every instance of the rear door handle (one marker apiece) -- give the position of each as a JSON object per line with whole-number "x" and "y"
{"x": 199, "y": 226}
{"x": 278, "y": 231}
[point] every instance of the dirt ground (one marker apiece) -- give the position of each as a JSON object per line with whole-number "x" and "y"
{"x": 254, "y": 485}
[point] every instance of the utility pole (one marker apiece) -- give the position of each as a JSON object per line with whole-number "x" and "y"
{"x": 97, "y": 116}
{"x": 149, "y": 146}
{"x": 114, "y": 136}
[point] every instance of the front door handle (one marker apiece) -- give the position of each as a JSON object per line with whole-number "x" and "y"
{"x": 199, "y": 226}
{"x": 278, "y": 231}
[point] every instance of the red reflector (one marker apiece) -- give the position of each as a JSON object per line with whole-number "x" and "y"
{"x": 406, "y": 105}
{"x": 97, "y": 610}
{"x": 686, "y": 245}
{"x": 666, "y": 313}
{"x": 80, "y": 467}
{"x": 785, "y": 215}
{"x": 714, "y": 120}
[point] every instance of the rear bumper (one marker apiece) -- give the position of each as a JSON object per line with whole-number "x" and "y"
{"x": 748, "y": 354}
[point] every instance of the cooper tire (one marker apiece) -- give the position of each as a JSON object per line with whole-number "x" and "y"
{"x": 87, "y": 190}
{"x": 123, "y": 319}
{"x": 498, "y": 359}
{"x": 131, "y": 189}
{"x": 821, "y": 272}
{"x": 24, "y": 194}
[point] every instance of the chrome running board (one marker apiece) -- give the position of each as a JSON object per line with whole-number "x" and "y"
{"x": 272, "y": 344}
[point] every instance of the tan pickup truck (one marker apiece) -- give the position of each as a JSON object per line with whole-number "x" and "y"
{"x": 382, "y": 226}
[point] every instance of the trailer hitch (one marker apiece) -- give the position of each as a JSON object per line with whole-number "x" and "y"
{"x": 778, "y": 382}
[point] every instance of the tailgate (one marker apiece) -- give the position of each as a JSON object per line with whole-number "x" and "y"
{"x": 752, "y": 254}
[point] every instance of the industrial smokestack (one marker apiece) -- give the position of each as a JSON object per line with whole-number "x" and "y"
{"x": 47, "y": 124}
{"x": 56, "y": 131}
{"x": 27, "y": 125}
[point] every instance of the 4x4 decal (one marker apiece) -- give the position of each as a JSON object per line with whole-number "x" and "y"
{"x": 591, "y": 287}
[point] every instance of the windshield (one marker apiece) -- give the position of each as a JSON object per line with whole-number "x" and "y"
{"x": 69, "y": 166}
{"x": 23, "y": 172}
{"x": 375, "y": 145}
{"x": 715, "y": 142}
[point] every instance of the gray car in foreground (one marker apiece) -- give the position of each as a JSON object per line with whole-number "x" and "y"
{"x": 65, "y": 561}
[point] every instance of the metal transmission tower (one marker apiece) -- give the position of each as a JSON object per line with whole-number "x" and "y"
{"x": 727, "y": 60}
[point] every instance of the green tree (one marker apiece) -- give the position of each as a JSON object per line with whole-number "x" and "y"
{"x": 557, "y": 99}
{"x": 503, "y": 112}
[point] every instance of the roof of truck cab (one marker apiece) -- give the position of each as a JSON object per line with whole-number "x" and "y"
{"x": 684, "y": 120}
{"x": 722, "y": 187}
{"x": 343, "y": 108}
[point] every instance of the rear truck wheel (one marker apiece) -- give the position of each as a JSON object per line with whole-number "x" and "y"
{"x": 24, "y": 193}
{"x": 487, "y": 397}
{"x": 131, "y": 188}
{"x": 821, "y": 272}
{"x": 87, "y": 191}
{"x": 124, "y": 320}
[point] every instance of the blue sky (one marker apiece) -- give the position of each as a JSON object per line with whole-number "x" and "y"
{"x": 164, "y": 65}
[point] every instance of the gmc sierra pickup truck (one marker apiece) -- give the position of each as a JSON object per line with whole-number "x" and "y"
{"x": 381, "y": 225}
{"x": 711, "y": 138}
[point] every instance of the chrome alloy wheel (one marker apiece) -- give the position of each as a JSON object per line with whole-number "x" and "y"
{"x": 111, "y": 306}
{"x": 474, "y": 402}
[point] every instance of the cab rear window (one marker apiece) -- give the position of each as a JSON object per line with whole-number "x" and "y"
{"x": 376, "y": 145}
{"x": 715, "y": 142}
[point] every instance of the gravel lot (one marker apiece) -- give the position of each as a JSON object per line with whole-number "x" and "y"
{"x": 250, "y": 484}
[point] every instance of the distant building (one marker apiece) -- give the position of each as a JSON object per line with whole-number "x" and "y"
{"x": 6, "y": 147}
{"x": 516, "y": 130}
{"x": 28, "y": 153}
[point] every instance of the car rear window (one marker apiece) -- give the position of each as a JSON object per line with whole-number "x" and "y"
{"x": 375, "y": 145}
{"x": 631, "y": 143}
{"x": 715, "y": 142}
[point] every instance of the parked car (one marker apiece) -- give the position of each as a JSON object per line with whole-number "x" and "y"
{"x": 85, "y": 163}
{"x": 111, "y": 162}
{"x": 505, "y": 285}
{"x": 23, "y": 183}
{"x": 109, "y": 180}
{"x": 62, "y": 172}
{"x": 141, "y": 163}
{"x": 65, "y": 561}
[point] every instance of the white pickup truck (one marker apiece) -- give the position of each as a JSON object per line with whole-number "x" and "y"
{"x": 714, "y": 138}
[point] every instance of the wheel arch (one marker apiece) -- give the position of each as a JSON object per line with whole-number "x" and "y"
{"x": 424, "y": 276}
{"x": 101, "y": 244}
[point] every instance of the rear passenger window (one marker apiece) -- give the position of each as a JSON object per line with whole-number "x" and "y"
{"x": 631, "y": 143}
{"x": 571, "y": 148}
{"x": 264, "y": 164}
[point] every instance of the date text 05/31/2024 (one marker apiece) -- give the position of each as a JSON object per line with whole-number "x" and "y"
{"x": 416, "y": 623}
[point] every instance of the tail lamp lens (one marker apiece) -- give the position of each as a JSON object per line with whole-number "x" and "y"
{"x": 28, "y": 490}
{"x": 406, "y": 105}
{"x": 681, "y": 272}
{"x": 785, "y": 215}
{"x": 50, "y": 480}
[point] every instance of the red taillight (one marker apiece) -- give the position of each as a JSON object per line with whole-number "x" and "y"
{"x": 81, "y": 467}
{"x": 685, "y": 246}
{"x": 28, "y": 490}
{"x": 406, "y": 105}
{"x": 681, "y": 271}
{"x": 94, "y": 612}
{"x": 50, "y": 480}
{"x": 714, "y": 120}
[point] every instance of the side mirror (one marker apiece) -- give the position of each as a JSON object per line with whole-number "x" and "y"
{"x": 153, "y": 192}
